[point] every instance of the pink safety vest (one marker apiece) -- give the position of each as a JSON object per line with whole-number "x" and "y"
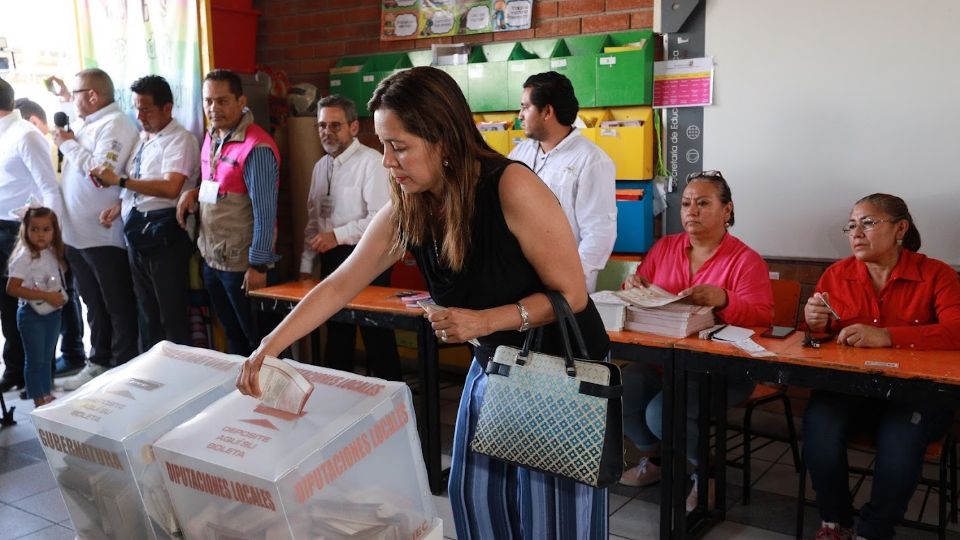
{"x": 229, "y": 166}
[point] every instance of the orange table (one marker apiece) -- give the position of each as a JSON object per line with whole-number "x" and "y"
{"x": 886, "y": 373}
{"x": 382, "y": 307}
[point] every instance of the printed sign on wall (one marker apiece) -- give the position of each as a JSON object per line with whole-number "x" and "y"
{"x": 414, "y": 19}
{"x": 131, "y": 39}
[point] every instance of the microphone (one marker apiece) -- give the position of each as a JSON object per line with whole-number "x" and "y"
{"x": 61, "y": 120}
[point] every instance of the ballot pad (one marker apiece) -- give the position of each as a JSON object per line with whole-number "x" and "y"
{"x": 348, "y": 466}
{"x": 98, "y": 439}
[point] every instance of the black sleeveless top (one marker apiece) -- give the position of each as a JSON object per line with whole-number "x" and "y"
{"x": 496, "y": 273}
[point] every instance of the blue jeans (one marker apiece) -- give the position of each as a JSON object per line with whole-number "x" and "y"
{"x": 39, "y": 334}
{"x": 232, "y": 307}
{"x": 643, "y": 406}
{"x": 902, "y": 432}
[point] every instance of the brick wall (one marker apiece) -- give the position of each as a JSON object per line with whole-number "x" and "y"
{"x": 306, "y": 37}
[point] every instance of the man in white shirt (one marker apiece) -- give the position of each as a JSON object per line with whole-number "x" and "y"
{"x": 25, "y": 172}
{"x": 162, "y": 166}
{"x": 349, "y": 186}
{"x": 578, "y": 172}
{"x": 97, "y": 253}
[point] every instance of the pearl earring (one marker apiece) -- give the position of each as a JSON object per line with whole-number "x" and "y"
{"x": 446, "y": 163}
{"x": 899, "y": 241}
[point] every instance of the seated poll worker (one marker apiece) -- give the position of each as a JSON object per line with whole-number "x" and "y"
{"x": 885, "y": 295}
{"x": 716, "y": 269}
{"x": 489, "y": 237}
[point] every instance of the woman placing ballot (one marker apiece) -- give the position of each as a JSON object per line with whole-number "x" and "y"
{"x": 884, "y": 295}
{"x": 713, "y": 268}
{"x": 489, "y": 237}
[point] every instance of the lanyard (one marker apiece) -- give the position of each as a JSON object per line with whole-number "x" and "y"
{"x": 137, "y": 160}
{"x": 329, "y": 176}
{"x": 215, "y": 157}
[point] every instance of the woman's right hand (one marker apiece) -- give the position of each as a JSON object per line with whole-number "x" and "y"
{"x": 816, "y": 313}
{"x": 248, "y": 382}
{"x": 633, "y": 281}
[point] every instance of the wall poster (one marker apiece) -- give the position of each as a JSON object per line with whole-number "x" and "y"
{"x": 415, "y": 19}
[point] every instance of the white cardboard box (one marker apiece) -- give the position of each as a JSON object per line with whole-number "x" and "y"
{"x": 98, "y": 439}
{"x": 349, "y": 466}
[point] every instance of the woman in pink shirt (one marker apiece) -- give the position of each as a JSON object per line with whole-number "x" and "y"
{"x": 717, "y": 270}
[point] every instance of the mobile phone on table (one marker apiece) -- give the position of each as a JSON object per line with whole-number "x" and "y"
{"x": 778, "y": 332}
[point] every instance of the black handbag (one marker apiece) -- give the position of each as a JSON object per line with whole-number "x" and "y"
{"x": 558, "y": 415}
{"x": 151, "y": 232}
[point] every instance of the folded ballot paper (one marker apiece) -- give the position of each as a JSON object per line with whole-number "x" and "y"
{"x": 282, "y": 387}
{"x": 348, "y": 465}
{"x": 98, "y": 439}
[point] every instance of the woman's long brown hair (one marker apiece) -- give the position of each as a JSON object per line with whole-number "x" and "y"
{"x": 431, "y": 106}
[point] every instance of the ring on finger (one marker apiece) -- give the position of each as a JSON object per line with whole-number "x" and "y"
{"x": 443, "y": 335}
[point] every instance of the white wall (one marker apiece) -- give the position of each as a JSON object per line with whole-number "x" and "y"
{"x": 820, "y": 102}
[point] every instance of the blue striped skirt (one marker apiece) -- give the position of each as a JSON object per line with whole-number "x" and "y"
{"x": 494, "y": 500}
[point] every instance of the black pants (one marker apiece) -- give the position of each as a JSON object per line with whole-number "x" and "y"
{"x": 103, "y": 279}
{"x": 71, "y": 325}
{"x": 380, "y": 343}
{"x": 12, "y": 345}
{"x": 161, "y": 281}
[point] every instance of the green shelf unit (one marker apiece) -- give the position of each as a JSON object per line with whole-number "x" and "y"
{"x": 492, "y": 80}
{"x": 625, "y": 78}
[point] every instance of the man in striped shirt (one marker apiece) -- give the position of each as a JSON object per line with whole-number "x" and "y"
{"x": 237, "y": 205}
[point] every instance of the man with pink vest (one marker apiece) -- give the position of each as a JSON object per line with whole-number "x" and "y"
{"x": 237, "y": 204}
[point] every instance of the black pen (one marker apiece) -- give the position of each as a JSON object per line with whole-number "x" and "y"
{"x": 717, "y": 331}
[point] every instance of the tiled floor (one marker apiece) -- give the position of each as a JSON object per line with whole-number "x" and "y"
{"x": 31, "y": 506}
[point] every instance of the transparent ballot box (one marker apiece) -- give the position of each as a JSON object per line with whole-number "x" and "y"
{"x": 98, "y": 439}
{"x": 348, "y": 466}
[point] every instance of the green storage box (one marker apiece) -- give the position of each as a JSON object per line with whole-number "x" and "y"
{"x": 625, "y": 77}
{"x": 576, "y": 58}
{"x": 528, "y": 58}
{"x": 487, "y": 77}
{"x": 459, "y": 74}
{"x": 346, "y": 78}
{"x": 378, "y": 68}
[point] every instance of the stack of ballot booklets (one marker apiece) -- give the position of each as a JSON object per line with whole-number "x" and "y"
{"x": 657, "y": 311}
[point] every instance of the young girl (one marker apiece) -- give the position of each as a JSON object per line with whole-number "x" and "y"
{"x": 35, "y": 276}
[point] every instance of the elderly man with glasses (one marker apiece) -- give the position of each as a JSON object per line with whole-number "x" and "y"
{"x": 97, "y": 252}
{"x": 349, "y": 186}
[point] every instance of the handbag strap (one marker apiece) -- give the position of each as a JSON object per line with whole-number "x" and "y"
{"x": 564, "y": 318}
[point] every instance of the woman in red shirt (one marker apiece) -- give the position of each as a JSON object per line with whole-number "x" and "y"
{"x": 718, "y": 270}
{"x": 885, "y": 295}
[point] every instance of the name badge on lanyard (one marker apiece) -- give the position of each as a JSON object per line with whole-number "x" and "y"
{"x": 208, "y": 191}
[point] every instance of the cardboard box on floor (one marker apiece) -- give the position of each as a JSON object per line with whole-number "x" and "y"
{"x": 349, "y": 466}
{"x": 98, "y": 439}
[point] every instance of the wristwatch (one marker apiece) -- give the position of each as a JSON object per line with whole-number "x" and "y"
{"x": 123, "y": 181}
{"x": 262, "y": 268}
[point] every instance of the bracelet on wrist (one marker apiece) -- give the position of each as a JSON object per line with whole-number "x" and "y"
{"x": 524, "y": 318}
